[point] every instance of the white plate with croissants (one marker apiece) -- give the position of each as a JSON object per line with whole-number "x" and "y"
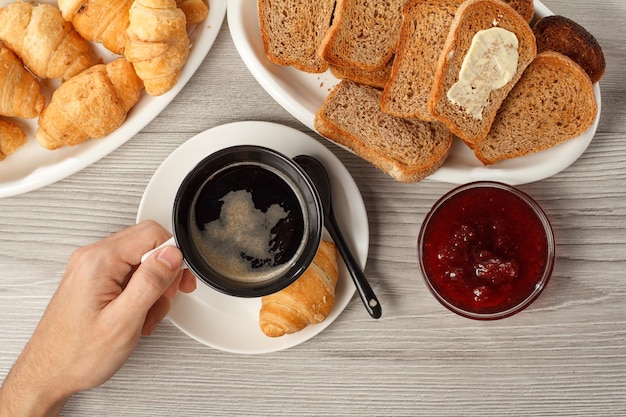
{"x": 239, "y": 325}
{"x": 303, "y": 93}
{"x": 71, "y": 95}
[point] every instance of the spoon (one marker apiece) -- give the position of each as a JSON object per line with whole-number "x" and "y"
{"x": 319, "y": 176}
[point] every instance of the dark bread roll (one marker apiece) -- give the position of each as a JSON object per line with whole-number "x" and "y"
{"x": 560, "y": 34}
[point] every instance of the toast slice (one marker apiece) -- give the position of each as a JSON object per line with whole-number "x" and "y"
{"x": 425, "y": 25}
{"x": 526, "y": 8}
{"x": 376, "y": 78}
{"x": 560, "y": 34}
{"x": 292, "y": 31}
{"x": 472, "y": 17}
{"x": 363, "y": 35}
{"x": 552, "y": 102}
{"x": 420, "y": 43}
{"x": 408, "y": 150}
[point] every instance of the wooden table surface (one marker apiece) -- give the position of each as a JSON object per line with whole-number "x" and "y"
{"x": 565, "y": 355}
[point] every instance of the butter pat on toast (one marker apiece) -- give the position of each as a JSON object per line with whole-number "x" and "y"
{"x": 423, "y": 33}
{"x": 472, "y": 19}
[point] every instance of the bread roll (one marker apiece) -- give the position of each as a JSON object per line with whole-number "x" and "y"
{"x": 21, "y": 95}
{"x": 560, "y": 34}
{"x": 11, "y": 138}
{"x": 308, "y": 300}
{"x": 195, "y": 10}
{"x": 157, "y": 43}
{"x": 102, "y": 21}
{"x": 48, "y": 45}
{"x": 91, "y": 104}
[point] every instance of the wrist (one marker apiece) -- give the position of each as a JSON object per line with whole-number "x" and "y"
{"x": 18, "y": 400}
{"x": 27, "y": 404}
{"x": 27, "y": 392}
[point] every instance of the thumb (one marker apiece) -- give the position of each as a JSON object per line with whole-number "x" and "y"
{"x": 151, "y": 279}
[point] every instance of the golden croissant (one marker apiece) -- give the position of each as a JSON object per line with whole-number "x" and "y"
{"x": 92, "y": 104}
{"x": 20, "y": 91}
{"x": 48, "y": 45}
{"x": 11, "y": 138}
{"x": 308, "y": 300}
{"x": 195, "y": 10}
{"x": 157, "y": 45}
{"x": 102, "y": 21}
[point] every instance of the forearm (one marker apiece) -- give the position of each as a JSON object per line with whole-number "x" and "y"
{"x": 25, "y": 394}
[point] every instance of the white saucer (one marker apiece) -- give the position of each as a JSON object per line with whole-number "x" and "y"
{"x": 230, "y": 323}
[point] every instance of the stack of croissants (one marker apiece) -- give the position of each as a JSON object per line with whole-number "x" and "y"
{"x": 42, "y": 41}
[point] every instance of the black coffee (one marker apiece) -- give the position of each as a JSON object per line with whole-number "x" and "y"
{"x": 250, "y": 222}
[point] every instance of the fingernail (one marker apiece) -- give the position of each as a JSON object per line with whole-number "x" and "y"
{"x": 171, "y": 257}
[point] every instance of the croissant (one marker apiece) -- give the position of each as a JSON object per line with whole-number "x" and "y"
{"x": 157, "y": 45}
{"x": 91, "y": 104}
{"x": 308, "y": 300}
{"x": 19, "y": 90}
{"x": 11, "y": 138}
{"x": 46, "y": 44}
{"x": 195, "y": 10}
{"x": 102, "y": 21}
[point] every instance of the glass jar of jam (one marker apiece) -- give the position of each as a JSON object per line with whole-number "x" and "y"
{"x": 486, "y": 250}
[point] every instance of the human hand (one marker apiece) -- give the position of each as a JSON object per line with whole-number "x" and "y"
{"x": 104, "y": 303}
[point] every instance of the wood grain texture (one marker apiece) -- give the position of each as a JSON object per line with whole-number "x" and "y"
{"x": 564, "y": 356}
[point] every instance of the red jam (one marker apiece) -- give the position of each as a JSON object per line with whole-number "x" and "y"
{"x": 485, "y": 250}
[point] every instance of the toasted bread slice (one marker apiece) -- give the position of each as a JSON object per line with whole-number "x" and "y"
{"x": 472, "y": 17}
{"x": 526, "y": 8}
{"x": 292, "y": 31}
{"x": 425, "y": 25}
{"x": 420, "y": 43}
{"x": 551, "y": 103}
{"x": 363, "y": 35}
{"x": 376, "y": 78}
{"x": 408, "y": 150}
{"x": 560, "y": 34}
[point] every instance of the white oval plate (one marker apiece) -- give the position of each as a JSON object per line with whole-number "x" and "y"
{"x": 230, "y": 323}
{"x": 302, "y": 94}
{"x": 33, "y": 167}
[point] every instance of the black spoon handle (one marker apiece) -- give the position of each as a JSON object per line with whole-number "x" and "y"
{"x": 363, "y": 287}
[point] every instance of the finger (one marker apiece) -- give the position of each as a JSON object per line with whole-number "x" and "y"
{"x": 155, "y": 315}
{"x": 187, "y": 282}
{"x": 151, "y": 280}
{"x": 173, "y": 289}
{"x": 131, "y": 243}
